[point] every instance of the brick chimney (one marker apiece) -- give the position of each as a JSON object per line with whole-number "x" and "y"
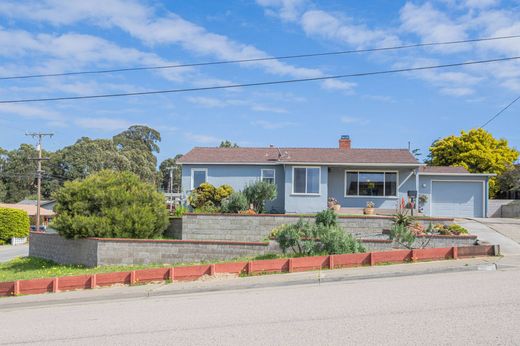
{"x": 345, "y": 142}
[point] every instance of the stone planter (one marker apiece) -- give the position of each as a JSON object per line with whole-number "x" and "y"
{"x": 369, "y": 211}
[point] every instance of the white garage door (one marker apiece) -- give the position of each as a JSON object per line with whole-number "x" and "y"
{"x": 457, "y": 199}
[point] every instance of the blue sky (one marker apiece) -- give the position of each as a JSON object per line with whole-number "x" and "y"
{"x": 54, "y": 36}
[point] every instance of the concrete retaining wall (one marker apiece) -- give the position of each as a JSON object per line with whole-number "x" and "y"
{"x": 93, "y": 252}
{"x": 257, "y": 227}
{"x": 511, "y": 210}
{"x": 495, "y": 207}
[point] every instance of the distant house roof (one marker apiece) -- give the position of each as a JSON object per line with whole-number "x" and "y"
{"x": 30, "y": 209}
{"x": 443, "y": 169}
{"x": 34, "y": 202}
{"x": 272, "y": 155}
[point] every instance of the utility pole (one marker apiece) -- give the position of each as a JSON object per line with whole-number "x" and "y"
{"x": 39, "y": 136}
{"x": 170, "y": 188}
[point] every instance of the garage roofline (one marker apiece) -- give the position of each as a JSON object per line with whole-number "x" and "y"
{"x": 461, "y": 174}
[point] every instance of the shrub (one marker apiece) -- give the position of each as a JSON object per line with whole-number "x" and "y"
{"x": 335, "y": 241}
{"x": 207, "y": 196}
{"x": 402, "y": 235}
{"x": 326, "y": 218}
{"x": 13, "y": 223}
{"x": 222, "y": 192}
{"x": 208, "y": 208}
{"x": 306, "y": 239}
{"x": 234, "y": 203}
{"x": 201, "y": 195}
{"x": 300, "y": 237}
{"x": 457, "y": 229}
{"x": 401, "y": 217}
{"x": 258, "y": 193}
{"x": 110, "y": 204}
{"x": 180, "y": 210}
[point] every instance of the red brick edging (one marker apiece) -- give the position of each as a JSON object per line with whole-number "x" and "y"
{"x": 190, "y": 273}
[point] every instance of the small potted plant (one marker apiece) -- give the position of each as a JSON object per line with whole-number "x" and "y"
{"x": 333, "y": 204}
{"x": 369, "y": 210}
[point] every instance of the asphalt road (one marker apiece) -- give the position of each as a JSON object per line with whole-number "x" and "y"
{"x": 8, "y": 252}
{"x": 472, "y": 307}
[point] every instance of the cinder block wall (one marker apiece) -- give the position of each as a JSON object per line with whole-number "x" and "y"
{"x": 94, "y": 252}
{"x": 53, "y": 247}
{"x": 257, "y": 227}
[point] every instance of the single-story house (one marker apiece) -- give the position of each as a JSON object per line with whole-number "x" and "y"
{"x": 46, "y": 214}
{"x": 307, "y": 177}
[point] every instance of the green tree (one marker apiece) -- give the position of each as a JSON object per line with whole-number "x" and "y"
{"x": 509, "y": 181}
{"x": 138, "y": 136}
{"x": 88, "y": 156}
{"x": 110, "y": 204}
{"x": 476, "y": 150}
{"x": 228, "y": 144}
{"x": 164, "y": 174}
{"x": 138, "y": 144}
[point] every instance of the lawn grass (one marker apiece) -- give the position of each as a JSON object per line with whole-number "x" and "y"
{"x": 24, "y": 268}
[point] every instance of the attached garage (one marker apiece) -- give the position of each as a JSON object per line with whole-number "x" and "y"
{"x": 457, "y": 198}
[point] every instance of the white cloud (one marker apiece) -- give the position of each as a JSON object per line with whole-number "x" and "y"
{"x": 354, "y": 120}
{"x": 432, "y": 25}
{"x": 336, "y": 84}
{"x": 212, "y": 102}
{"x": 287, "y": 10}
{"x": 207, "y": 102}
{"x": 480, "y": 3}
{"x": 102, "y": 124}
{"x": 457, "y": 91}
{"x": 272, "y": 125}
{"x": 29, "y": 112}
{"x": 200, "y": 138}
{"x": 324, "y": 24}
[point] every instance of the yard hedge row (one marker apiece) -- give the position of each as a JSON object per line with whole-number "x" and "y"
{"x": 13, "y": 223}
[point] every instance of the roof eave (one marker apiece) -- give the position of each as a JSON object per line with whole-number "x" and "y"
{"x": 359, "y": 164}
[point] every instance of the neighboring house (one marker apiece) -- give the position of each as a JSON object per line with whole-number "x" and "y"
{"x": 46, "y": 214}
{"x": 306, "y": 177}
{"x": 47, "y": 204}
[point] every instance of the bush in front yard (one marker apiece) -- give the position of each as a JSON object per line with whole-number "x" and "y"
{"x": 13, "y": 223}
{"x": 234, "y": 203}
{"x": 110, "y": 204}
{"x": 258, "y": 193}
{"x": 307, "y": 239}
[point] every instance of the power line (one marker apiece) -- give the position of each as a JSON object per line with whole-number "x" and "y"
{"x": 229, "y": 86}
{"x": 500, "y": 112}
{"x": 283, "y": 57}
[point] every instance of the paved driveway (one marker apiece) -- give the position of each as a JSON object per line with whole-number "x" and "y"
{"x": 508, "y": 227}
{"x": 8, "y": 252}
{"x": 489, "y": 233}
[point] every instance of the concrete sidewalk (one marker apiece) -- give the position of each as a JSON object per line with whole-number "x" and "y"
{"x": 226, "y": 283}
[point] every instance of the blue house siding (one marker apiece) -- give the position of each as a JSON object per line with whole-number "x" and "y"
{"x": 337, "y": 188}
{"x": 295, "y": 203}
{"x": 237, "y": 176}
{"x": 455, "y": 192}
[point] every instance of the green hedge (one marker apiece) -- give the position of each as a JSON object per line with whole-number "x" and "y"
{"x": 13, "y": 223}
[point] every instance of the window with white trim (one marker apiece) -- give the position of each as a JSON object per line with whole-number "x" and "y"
{"x": 306, "y": 180}
{"x": 198, "y": 177}
{"x": 268, "y": 175}
{"x": 377, "y": 184}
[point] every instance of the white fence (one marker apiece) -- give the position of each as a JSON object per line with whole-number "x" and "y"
{"x": 18, "y": 241}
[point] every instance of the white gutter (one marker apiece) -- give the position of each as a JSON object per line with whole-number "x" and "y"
{"x": 461, "y": 174}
